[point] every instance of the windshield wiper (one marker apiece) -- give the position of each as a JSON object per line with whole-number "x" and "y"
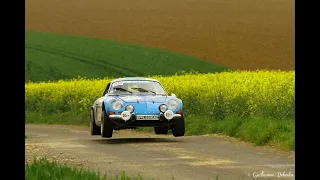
{"x": 122, "y": 89}
{"x": 144, "y": 90}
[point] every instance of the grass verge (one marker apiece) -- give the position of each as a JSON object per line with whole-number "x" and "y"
{"x": 44, "y": 169}
{"x": 257, "y": 130}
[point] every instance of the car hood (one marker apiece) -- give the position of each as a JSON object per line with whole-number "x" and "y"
{"x": 143, "y": 98}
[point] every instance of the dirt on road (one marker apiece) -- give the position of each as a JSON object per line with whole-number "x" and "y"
{"x": 249, "y": 34}
{"x": 158, "y": 157}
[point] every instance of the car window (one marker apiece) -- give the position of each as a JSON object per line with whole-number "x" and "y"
{"x": 133, "y": 88}
{"x": 136, "y": 87}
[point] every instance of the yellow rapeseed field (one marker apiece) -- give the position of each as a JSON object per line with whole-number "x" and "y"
{"x": 244, "y": 93}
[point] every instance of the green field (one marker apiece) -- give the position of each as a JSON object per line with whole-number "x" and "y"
{"x": 52, "y": 56}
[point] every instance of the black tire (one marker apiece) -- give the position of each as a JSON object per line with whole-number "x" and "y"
{"x": 161, "y": 130}
{"x": 94, "y": 129}
{"x": 178, "y": 129}
{"x": 106, "y": 126}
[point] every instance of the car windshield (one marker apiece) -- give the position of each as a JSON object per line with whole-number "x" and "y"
{"x": 136, "y": 87}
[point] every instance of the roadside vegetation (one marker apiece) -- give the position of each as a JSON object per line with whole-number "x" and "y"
{"x": 255, "y": 106}
{"x": 40, "y": 169}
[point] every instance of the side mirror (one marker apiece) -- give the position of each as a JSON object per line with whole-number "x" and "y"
{"x": 174, "y": 95}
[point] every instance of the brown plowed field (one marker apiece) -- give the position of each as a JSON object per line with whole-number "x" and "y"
{"x": 243, "y": 34}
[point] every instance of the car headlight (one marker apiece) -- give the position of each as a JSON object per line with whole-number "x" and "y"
{"x": 116, "y": 105}
{"x": 173, "y": 104}
{"x": 130, "y": 108}
{"x": 163, "y": 108}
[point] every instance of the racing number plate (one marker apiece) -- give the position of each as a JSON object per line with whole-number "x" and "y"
{"x": 141, "y": 117}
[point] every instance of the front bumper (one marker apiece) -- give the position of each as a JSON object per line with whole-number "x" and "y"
{"x": 133, "y": 121}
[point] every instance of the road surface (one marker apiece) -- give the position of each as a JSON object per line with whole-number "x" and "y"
{"x": 158, "y": 156}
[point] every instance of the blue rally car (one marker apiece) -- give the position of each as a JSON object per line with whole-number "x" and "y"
{"x": 133, "y": 102}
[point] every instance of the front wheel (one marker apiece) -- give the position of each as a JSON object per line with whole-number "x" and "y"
{"x": 94, "y": 129}
{"x": 106, "y": 126}
{"x": 178, "y": 129}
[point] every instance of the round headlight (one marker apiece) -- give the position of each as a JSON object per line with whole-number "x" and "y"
{"x": 163, "y": 107}
{"x": 116, "y": 105}
{"x": 172, "y": 104}
{"x": 168, "y": 114}
{"x": 129, "y": 108}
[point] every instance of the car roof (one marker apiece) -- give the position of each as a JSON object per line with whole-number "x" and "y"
{"x": 134, "y": 79}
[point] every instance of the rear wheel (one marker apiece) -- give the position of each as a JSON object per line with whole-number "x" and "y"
{"x": 106, "y": 126}
{"x": 178, "y": 129}
{"x": 94, "y": 129}
{"x": 161, "y": 130}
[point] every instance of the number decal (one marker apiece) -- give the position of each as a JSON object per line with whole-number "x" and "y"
{"x": 120, "y": 83}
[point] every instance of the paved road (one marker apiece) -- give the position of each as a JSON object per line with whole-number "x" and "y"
{"x": 159, "y": 157}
